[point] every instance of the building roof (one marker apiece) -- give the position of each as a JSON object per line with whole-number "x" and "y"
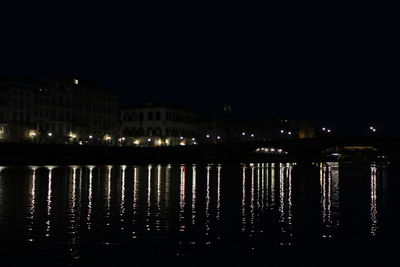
{"x": 158, "y": 105}
{"x": 37, "y": 81}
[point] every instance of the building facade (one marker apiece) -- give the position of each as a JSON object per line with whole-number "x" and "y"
{"x": 57, "y": 110}
{"x": 225, "y": 129}
{"x": 158, "y": 125}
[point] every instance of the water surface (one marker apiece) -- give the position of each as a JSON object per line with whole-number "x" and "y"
{"x": 274, "y": 214}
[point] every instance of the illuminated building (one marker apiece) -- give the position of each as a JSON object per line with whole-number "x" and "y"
{"x": 158, "y": 125}
{"x": 56, "y": 110}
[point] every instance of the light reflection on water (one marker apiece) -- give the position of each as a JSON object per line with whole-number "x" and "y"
{"x": 374, "y": 210}
{"x": 174, "y": 203}
{"x": 90, "y": 196}
{"x": 329, "y": 182}
{"x": 49, "y": 190}
{"x": 193, "y": 194}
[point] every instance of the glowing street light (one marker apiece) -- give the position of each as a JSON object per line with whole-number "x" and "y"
{"x": 207, "y": 136}
{"x": 218, "y": 137}
{"x": 50, "y": 134}
{"x": 32, "y": 133}
{"x": 327, "y": 130}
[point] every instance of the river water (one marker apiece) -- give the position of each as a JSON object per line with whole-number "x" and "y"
{"x": 272, "y": 214}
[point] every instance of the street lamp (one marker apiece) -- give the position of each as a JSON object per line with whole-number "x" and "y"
{"x": 32, "y": 134}
{"x": 326, "y": 130}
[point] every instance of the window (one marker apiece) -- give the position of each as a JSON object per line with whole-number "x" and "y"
{"x": 126, "y": 132}
{"x": 132, "y": 132}
{"x": 141, "y": 132}
{"x": 150, "y": 116}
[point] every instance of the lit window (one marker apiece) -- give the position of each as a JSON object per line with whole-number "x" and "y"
{"x": 76, "y": 81}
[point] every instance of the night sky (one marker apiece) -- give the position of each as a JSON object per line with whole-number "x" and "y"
{"x": 297, "y": 59}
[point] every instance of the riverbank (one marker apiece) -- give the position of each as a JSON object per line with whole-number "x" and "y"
{"x": 55, "y": 154}
{"x": 39, "y": 154}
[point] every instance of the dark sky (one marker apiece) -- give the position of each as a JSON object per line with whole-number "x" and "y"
{"x": 298, "y": 59}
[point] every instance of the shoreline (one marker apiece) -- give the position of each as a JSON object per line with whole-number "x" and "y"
{"x": 54, "y": 154}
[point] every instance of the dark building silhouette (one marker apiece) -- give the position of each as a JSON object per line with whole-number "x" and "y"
{"x": 56, "y": 110}
{"x": 226, "y": 128}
